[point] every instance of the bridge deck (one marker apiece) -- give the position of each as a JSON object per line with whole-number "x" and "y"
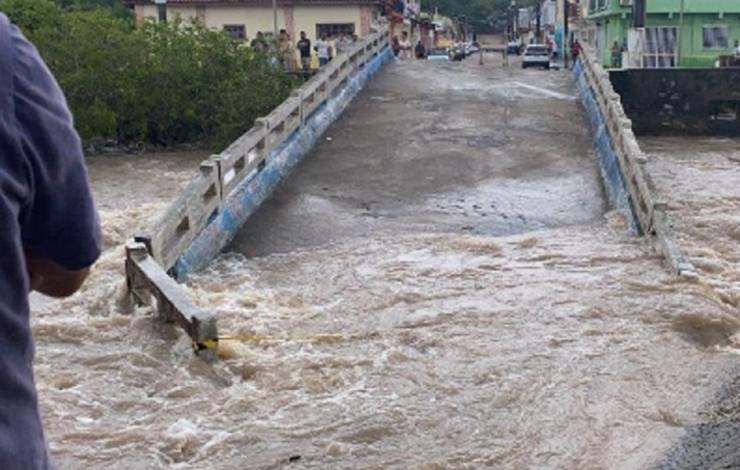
{"x": 432, "y": 147}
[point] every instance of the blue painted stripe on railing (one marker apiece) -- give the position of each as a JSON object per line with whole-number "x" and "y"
{"x": 611, "y": 171}
{"x": 249, "y": 195}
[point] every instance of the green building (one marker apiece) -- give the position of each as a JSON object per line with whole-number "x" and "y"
{"x": 678, "y": 33}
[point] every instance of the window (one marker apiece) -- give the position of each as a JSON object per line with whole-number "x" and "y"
{"x": 659, "y": 48}
{"x": 237, "y": 31}
{"x": 334, "y": 29}
{"x": 716, "y": 37}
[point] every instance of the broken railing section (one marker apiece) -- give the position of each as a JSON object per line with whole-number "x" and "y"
{"x": 650, "y": 212}
{"x": 146, "y": 280}
{"x": 152, "y": 255}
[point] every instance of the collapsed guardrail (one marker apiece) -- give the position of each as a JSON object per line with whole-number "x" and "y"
{"x": 154, "y": 257}
{"x": 616, "y": 141}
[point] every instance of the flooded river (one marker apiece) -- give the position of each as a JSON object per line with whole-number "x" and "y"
{"x": 561, "y": 343}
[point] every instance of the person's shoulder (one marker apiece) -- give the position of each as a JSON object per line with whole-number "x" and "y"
{"x": 8, "y": 40}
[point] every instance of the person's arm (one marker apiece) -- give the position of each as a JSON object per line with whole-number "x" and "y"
{"x": 49, "y": 278}
{"x": 59, "y": 223}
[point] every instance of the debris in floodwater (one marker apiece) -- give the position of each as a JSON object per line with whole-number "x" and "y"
{"x": 294, "y": 458}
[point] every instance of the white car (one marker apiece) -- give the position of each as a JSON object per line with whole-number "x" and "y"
{"x": 438, "y": 53}
{"x": 536, "y": 55}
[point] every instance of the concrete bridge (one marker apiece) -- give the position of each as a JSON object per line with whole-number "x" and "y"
{"x": 453, "y": 279}
{"x": 490, "y": 150}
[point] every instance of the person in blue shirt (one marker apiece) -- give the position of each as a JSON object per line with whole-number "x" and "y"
{"x": 49, "y": 231}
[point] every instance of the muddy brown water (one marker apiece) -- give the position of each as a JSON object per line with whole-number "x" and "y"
{"x": 562, "y": 344}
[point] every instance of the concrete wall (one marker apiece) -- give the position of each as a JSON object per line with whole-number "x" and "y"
{"x": 255, "y": 19}
{"x": 307, "y": 17}
{"x": 701, "y": 102}
{"x": 258, "y": 18}
{"x": 143, "y": 12}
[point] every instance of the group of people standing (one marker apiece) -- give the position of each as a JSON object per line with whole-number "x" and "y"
{"x": 286, "y": 53}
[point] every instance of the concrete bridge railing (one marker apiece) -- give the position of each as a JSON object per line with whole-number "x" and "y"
{"x": 615, "y": 139}
{"x": 153, "y": 255}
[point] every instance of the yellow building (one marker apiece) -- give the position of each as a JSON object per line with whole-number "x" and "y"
{"x": 243, "y": 19}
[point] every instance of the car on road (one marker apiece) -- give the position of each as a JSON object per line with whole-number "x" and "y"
{"x": 513, "y": 48}
{"x": 536, "y": 55}
{"x": 438, "y": 53}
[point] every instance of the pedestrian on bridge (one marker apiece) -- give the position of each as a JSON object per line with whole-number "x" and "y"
{"x": 323, "y": 49}
{"x": 575, "y": 51}
{"x": 304, "y": 48}
{"x": 287, "y": 54}
{"x": 406, "y": 46}
{"x": 259, "y": 43}
{"x": 343, "y": 43}
{"x": 49, "y": 231}
{"x": 396, "y": 46}
{"x": 421, "y": 51}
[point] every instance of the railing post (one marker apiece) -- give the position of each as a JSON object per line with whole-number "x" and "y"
{"x": 298, "y": 95}
{"x": 265, "y": 146}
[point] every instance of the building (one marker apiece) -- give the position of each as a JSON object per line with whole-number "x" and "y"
{"x": 677, "y": 33}
{"x": 243, "y": 19}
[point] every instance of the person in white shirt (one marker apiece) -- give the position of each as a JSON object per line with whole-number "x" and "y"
{"x": 406, "y": 46}
{"x": 323, "y": 49}
{"x": 343, "y": 43}
{"x": 737, "y": 49}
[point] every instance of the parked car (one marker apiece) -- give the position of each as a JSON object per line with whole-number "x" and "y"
{"x": 438, "y": 53}
{"x": 513, "y": 48}
{"x": 536, "y": 55}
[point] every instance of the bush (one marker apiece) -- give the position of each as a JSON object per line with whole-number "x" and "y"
{"x": 160, "y": 84}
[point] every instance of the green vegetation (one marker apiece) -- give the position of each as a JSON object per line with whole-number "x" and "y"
{"x": 159, "y": 84}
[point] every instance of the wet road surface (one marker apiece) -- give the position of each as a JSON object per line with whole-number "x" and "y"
{"x": 440, "y": 147}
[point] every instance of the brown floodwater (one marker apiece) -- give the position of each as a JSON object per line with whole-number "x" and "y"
{"x": 558, "y": 347}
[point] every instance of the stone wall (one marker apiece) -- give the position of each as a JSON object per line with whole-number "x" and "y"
{"x": 680, "y": 102}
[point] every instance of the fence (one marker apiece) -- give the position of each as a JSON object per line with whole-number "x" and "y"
{"x": 615, "y": 137}
{"x": 152, "y": 256}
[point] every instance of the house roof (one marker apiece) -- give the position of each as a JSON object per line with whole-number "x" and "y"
{"x": 259, "y": 2}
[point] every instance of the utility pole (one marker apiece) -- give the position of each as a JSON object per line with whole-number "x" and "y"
{"x": 679, "y": 36}
{"x": 566, "y": 38}
{"x": 639, "y": 13}
{"x": 539, "y": 24}
{"x": 274, "y": 21}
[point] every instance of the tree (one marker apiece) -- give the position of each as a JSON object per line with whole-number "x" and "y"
{"x": 160, "y": 84}
{"x": 116, "y": 7}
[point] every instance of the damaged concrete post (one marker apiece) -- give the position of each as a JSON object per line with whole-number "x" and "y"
{"x": 146, "y": 279}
